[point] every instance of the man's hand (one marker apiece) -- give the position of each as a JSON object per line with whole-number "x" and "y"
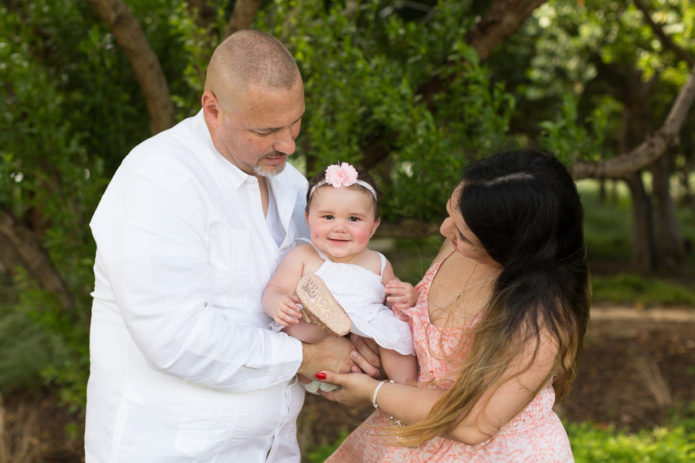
{"x": 366, "y": 357}
{"x": 332, "y": 353}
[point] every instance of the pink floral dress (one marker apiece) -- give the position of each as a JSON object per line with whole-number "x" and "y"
{"x": 535, "y": 435}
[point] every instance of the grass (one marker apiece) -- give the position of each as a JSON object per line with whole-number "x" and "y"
{"x": 641, "y": 291}
{"x": 593, "y": 444}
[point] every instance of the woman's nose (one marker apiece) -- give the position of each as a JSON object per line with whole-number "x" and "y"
{"x": 445, "y": 227}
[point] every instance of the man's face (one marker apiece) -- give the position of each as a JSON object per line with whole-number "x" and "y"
{"x": 258, "y": 132}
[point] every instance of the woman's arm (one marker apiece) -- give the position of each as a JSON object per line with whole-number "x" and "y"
{"x": 498, "y": 405}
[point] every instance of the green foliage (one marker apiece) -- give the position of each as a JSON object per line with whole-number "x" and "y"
{"x": 410, "y": 257}
{"x": 397, "y": 90}
{"x": 71, "y": 110}
{"x": 364, "y": 72}
{"x": 641, "y": 290}
{"x": 592, "y": 444}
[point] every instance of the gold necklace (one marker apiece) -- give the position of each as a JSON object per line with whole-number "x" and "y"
{"x": 467, "y": 285}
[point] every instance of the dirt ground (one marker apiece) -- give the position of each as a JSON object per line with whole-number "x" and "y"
{"x": 637, "y": 364}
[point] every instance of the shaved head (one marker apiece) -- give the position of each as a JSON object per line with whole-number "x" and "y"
{"x": 249, "y": 57}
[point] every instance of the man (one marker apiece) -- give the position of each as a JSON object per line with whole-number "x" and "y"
{"x": 188, "y": 232}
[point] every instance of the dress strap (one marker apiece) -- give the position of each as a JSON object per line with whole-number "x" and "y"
{"x": 307, "y": 240}
{"x": 383, "y": 263}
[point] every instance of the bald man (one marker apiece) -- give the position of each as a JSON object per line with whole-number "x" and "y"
{"x": 184, "y": 367}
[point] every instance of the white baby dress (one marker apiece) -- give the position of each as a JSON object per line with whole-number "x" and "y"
{"x": 361, "y": 293}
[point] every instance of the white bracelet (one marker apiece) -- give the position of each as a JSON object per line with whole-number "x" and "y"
{"x": 376, "y": 391}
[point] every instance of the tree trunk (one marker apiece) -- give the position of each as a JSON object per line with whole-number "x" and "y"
{"x": 242, "y": 16}
{"x": 19, "y": 247}
{"x": 643, "y": 251}
{"x": 148, "y": 72}
{"x": 669, "y": 242}
{"x": 688, "y": 169}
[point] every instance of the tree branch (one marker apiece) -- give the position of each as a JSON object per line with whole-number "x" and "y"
{"x": 20, "y": 247}
{"x": 665, "y": 40}
{"x": 650, "y": 149}
{"x": 148, "y": 72}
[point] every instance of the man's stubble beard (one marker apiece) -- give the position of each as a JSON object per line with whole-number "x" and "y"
{"x": 260, "y": 171}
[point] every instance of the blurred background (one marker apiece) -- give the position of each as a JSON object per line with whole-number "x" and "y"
{"x": 410, "y": 90}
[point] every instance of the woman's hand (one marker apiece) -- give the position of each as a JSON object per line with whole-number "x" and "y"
{"x": 355, "y": 389}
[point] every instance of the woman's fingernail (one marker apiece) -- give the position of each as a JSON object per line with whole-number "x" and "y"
{"x": 320, "y": 375}
{"x": 353, "y": 354}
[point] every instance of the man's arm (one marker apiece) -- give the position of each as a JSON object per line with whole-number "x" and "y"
{"x": 154, "y": 257}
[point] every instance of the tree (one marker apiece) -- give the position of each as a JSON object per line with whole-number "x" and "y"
{"x": 132, "y": 40}
{"x": 411, "y": 90}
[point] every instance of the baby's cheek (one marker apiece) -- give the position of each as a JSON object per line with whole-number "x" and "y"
{"x": 362, "y": 237}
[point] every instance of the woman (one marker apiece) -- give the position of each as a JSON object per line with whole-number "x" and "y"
{"x": 498, "y": 327}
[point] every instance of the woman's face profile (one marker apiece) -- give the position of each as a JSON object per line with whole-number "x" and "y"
{"x": 455, "y": 229}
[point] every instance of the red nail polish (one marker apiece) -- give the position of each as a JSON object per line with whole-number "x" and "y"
{"x": 320, "y": 375}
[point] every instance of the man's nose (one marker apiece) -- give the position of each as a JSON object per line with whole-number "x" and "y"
{"x": 284, "y": 142}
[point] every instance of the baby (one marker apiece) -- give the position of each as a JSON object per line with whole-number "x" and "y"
{"x": 342, "y": 212}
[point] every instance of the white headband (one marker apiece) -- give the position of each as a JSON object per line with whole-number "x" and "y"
{"x": 343, "y": 174}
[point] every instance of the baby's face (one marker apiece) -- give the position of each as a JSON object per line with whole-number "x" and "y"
{"x": 341, "y": 221}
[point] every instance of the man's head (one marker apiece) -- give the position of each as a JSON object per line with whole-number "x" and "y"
{"x": 253, "y": 102}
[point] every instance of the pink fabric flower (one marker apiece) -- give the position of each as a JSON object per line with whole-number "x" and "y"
{"x": 342, "y": 174}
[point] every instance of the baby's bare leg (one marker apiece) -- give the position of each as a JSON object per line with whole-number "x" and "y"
{"x": 398, "y": 367}
{"x": 306, "y": 332}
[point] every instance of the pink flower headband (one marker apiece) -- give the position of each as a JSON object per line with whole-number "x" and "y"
{"x": 343, "y": 174}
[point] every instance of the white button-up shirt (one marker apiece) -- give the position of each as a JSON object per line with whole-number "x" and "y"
{"x": 183, "y": 365}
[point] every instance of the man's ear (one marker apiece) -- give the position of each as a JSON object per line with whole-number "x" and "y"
{"x": 211, "y": 108}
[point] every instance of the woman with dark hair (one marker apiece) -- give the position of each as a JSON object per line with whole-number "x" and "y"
{"x": 497, "y": 328}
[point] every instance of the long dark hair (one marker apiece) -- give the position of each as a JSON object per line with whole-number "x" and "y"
{"x": 524, "y": 208}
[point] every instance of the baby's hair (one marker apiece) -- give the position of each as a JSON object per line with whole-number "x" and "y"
{"x": 362, "y": 175}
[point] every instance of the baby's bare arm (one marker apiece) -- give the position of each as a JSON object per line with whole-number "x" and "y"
{"x": 279, "y": 300}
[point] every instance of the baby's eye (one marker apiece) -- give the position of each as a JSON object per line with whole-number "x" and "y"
{"x": 328, "y": 217}
{"x": 354, "y": 219}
